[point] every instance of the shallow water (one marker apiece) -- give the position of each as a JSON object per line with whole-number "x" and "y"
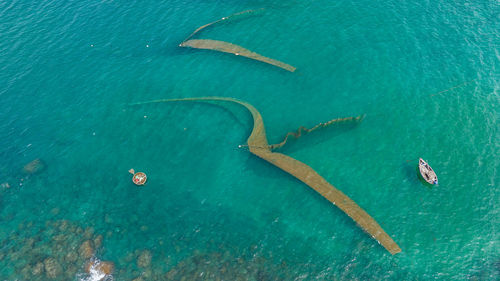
{"x": 69, "y": 71}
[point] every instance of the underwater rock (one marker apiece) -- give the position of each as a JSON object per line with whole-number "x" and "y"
{"x": 86, "y": 250}
{"x": 177, "y": 249}
{"x": 37, "y": 269}
{"x": 59, "y": 238}
{"x": 147, "y": 274}
{"x": 34, "y": 167}
{"x": 71, "y": 271}
{"x": 55, "y": 211}
{"x": 108, "y": 219}
{"x": 26, "y": 271}
{"x": 40, "y": 250}
{"x": 89, "y": 232}
{"x": 171, "y": 274}
{"x": 212, "y": 266}
{"x": 28, "y": 245}
{"x": 105, "y": 267}
{"x": 98, "y": 241}
{"x": 14, "y": 256}
{"x": 71, "y": 257}
{"x": 63, "y": 225}
{"x": 72, "y": 228}
{"x": 51, "y": 250}
{"x": 128, "y": 258}
{"x": 52, "y": 268}
{"x": 144, "y": 259}
{"x": 58, "y": 248}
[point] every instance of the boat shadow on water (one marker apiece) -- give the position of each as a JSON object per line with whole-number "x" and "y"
{"x": 413, "y": 175}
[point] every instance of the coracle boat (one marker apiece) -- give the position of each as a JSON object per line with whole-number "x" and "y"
{"x": 139, "y": 178}
{"x": 427, "y": 172}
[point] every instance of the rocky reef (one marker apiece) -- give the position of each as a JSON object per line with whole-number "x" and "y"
{"x": 64, "y": 250}
{"x": 34, "y": 167}
{"x": 224, "y": 266}
{"x": 57, "y": 251}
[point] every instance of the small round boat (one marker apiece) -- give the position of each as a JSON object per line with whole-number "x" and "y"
{"x": 139, "y": 178}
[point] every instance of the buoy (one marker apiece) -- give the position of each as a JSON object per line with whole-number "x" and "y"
{"x": 139, "y": 178}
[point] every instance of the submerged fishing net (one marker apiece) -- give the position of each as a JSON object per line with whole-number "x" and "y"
{"x": 298, "y": 133}
{"x": 224, "y": 19}
{"x": 227, "y": 47}
{"x": 258, "y": 145}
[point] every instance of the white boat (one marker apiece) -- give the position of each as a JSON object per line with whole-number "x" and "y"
{"x": 427, "y": 172}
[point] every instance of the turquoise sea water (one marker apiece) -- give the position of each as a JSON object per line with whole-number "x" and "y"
{"x": 70, "y": 69}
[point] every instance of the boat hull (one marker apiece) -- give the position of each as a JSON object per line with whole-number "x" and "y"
{"x": 427, "y": 172}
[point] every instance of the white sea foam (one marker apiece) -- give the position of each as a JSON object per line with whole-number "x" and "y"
{"x": 94, "y": 273}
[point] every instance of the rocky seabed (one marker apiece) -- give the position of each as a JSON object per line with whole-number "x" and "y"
{"x": 63, "y": 250}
